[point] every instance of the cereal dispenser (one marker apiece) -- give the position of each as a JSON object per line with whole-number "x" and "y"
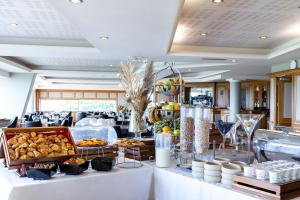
{"x": 187, "y": 119}
{"x": 201, "y": 137}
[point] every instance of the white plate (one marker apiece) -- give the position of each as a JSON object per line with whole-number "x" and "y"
{"x": 198, "y": 163}
{"x": 226, "y": 182}
{"x": 212, "y": 166}
{"x": 212, "y": 173}
{"x": 231, "y": 169}
{"x": 197, "y": 169}
{"x": 212, "y": 179}
{"x": 227, "y": 176}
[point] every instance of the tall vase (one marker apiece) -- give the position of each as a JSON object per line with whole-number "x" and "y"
{"x": 137, "y": 125}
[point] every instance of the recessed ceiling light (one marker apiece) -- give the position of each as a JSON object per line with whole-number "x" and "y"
{"x": 233, "y": 60}
{"x": 76, "y": 1}
{"x": 189, "y": 70}
{"x": 263, "y": 37}
{"x": 203, "y": 34}
{"x": 110, "y": 65}
{"x": 104, "y": 37}
{"x": 13, "y": 24}
{"x": 217, "y": 1}
{"x": 118, "y": 74}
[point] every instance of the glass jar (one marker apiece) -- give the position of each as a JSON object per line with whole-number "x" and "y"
{"x": 186, "y": 134}
{"x": 163, "y": 150}
{"x": 201, "y": 137}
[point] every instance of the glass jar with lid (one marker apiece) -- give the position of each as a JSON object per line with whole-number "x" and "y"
{"x": 187, "y": 113}
{"x": 201, "y": 137}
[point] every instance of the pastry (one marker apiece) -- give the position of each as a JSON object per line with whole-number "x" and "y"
{"x": 129, "y": 143}
{"x": 25, "y": 146}
{"x": 91, "y": 142}
{"x": 74, "y": 161}
{"x": 43, "y": 165}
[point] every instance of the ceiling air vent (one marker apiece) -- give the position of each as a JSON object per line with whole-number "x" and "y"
{"x": 214, "y": 59}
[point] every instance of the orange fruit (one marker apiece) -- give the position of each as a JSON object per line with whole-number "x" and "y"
{"x": 177, "y": 107}
{"x": 166, "y": 129}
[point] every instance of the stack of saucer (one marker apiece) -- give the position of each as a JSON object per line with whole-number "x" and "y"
{"x": 212, "y": 172}
{"x": 198, "y": 168}
{"x": 228, "y": 171}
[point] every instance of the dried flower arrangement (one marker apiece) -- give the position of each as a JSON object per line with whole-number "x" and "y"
{"x": 138, "y": 91}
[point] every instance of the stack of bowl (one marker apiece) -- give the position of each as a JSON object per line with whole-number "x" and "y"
{"x": 198, "y": 168}
{"x": 228, "y": 171}
{"x": 221, "y": 161}
{"x": 212, "y": 172}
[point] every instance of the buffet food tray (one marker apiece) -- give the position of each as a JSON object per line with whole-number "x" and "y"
{"x": 141, "y": 153}
{"x": 265, "y": 189}
{"x": 90, "y": 153}
{"x": 18, "y": 164}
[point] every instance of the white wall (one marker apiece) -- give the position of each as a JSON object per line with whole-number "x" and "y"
{"x": 15, "y": 91}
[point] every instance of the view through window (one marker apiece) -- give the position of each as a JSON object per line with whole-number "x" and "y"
{"x": 78, "y": 105}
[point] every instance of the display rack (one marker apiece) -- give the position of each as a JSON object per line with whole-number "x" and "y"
{"x": 175, "y": 94}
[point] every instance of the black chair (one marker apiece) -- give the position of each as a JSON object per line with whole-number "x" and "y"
{"x": 31, "y": 117}
{"x": 33, "y": 124}
{"x": 118, "y": 131}
{"x": 13, "y": 123}
{"x": 64, "y": 122}
{"x": 70, "y": 119}
{"x": 68, "y": 115}
{"x": 26, "y": 117}
{"x": 103, "y": 116}
{"x": 80, "y": 116}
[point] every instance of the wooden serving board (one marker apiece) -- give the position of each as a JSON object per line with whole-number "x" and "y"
{"x": 265, "y": 189}
{"x": 93, "y": 152}
{"x": 17, "y": 164}
{"x": 146, "y": 152}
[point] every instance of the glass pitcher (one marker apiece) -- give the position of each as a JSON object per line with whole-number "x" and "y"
{"x": 163, "y": 150}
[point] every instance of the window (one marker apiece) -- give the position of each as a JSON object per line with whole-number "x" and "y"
{"x": 78, "y": 105}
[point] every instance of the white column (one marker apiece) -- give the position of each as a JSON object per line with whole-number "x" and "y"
{"x": 235, "y": 99}
{"x": 16, "y": 92}
{"x": 273, "y": 102}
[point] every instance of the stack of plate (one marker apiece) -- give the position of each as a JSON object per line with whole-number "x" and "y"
{"x": 212, "y": 172}
{"x": 228, "y": 171}
{"x": 198, "y": 168}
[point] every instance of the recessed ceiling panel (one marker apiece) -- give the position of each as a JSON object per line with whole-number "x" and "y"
{"x": 34, "y": 19}
{"x": 238, "y": 23}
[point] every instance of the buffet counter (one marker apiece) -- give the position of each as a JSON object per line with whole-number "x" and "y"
{"x": 125, "y": 184}
{"x": 145, "y": 183}
{"x": 176, "y": 184}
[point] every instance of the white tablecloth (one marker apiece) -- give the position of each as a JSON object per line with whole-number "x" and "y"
{"x": 176, "y": 184}
{"x": 145, "y": 183}
{"x": 119, "y": 184}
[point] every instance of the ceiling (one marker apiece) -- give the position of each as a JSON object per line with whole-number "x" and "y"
{"x": 60, "y": 40}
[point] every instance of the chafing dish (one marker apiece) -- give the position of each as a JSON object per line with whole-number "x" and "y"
{"x": 276, "y": 145}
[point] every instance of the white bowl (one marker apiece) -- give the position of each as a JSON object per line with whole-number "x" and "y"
{"x": 212, "y": 173}
{"x": 231, "y": 169}
{"x": 212, "y": 166}
{"x": 227, "y": 176}
{"x": 198, "y": 163}
{"x": 226, "y": 182}
{"x": 238, "y": 163}
{"x": 197, "y": 169}
{"x": 198, "y": 175}
{"x": 212, "y": 179}
{"x": 221, "y": 160}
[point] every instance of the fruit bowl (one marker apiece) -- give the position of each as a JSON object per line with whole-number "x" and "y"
{"x": 169, "y": 114}
{"x": 169, "y": 89}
